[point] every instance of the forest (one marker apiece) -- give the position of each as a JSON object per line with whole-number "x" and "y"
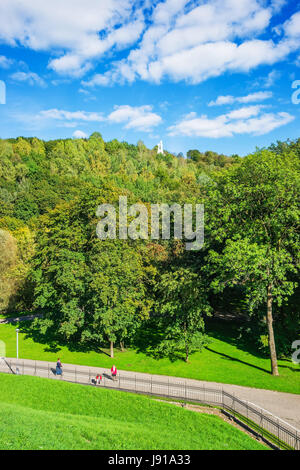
{"x": 117, "y": 292}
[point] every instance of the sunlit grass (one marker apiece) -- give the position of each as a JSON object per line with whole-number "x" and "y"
{"x": 41, "y": 414}
{"x": 225, "y": 360}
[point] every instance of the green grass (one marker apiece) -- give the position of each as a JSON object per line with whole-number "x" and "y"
{"x": 262, "y": 432}
{"x": 39, "y": 413}
{"x": 225, "y": 360}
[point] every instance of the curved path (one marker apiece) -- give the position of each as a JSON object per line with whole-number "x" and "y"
{"x": 18, "y": 319}
{"x": 283, "y": 405}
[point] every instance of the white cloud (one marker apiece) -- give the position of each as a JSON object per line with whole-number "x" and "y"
{"x": 277, "y": 5}
{"x": 244, "y": 113}
{"x": 213, "y": 59}
{"x": 271, "y": 78}
{"x": 251, "y": 120}
{"x": 29, "y": 77}
{"x": 98, "y": 80}
{"x": 61, "y": 81}
{"x": 71, "y": 28}
{"x": 227, "y": 99}
{"x": 251, "y": 98}
{"x": 140, "y": 117}
{"x": 193, "y": 43}
{"x": 177, "y": 39}
{"x": 62, "y": 115}
{"x": 5, "y": 63}
{"x": 292, "y": 26}
{"x": 83, "y": 91}
{"x": 70, "y": 64}
{"x": 80, "y": 135}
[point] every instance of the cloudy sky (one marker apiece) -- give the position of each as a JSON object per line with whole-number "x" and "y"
{"x": 206, "y": 74}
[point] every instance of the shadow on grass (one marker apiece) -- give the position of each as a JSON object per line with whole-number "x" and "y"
{"x": 292, "y": 369}
{"x": 234, "y": 359}
{"x": 147, "y": 340}
{"x": 53, "y": 343}
{"x": 229, "y": 332}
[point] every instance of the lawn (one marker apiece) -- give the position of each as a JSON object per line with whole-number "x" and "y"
{"x": 39, "y": 413}
{"x": 225, "y": 360}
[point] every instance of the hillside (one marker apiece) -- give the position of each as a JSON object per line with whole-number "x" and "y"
{"x": 42, "y": 414}
{"x": 123, "y": 292}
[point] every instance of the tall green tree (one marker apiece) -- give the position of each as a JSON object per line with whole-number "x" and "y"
{"x": 90, "y": 291}
{"x": 254, "y": 225}
{"x": 116, "y": 297}
{"x": 182, "y": 306}
{"x": 59, "y": 272}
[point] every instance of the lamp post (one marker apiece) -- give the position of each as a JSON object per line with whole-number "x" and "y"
{"x": 17, "y": 368}
{"x": 17, "y": 331}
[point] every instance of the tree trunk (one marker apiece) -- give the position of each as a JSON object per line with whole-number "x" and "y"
{"x": 271, "y": 338}
{"x": 122, "y": 346}
{"x": 111, "y": 349}
{"x": 186, "y": 353}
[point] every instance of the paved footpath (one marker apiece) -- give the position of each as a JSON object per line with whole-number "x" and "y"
{"x": 18, "y": 319}
{"x": 283, "y": 405}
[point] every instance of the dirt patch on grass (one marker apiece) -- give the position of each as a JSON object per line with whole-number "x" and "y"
{"x": 208, "y": 410}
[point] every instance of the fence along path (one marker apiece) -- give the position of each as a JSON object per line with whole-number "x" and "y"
{"x": 264, "y": 423}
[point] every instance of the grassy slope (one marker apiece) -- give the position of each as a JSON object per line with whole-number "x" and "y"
{"x": 41, "y": 414}
{"x": 225, "y": 360}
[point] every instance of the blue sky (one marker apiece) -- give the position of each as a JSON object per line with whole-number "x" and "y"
{"x": 207, "y": 74}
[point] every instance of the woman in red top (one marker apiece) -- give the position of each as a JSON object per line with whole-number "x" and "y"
{"x": 114, "y": 372}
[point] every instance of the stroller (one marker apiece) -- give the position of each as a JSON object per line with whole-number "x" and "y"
{"x": 97, "y": 379}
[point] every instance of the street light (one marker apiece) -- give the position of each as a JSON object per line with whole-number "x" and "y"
{"x": 17, "y": 330}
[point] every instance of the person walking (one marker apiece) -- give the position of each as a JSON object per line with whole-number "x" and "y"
{"x": 58, "y": 367}
{"x": 114, "y": 372}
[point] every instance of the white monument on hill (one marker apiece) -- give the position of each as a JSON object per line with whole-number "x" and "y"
{"x": 160, "y": 147}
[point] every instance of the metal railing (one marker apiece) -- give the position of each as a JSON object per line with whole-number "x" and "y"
{"x": 263, "y": 423}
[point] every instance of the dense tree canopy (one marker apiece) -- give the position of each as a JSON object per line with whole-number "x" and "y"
{"x": 98, "y": 293}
